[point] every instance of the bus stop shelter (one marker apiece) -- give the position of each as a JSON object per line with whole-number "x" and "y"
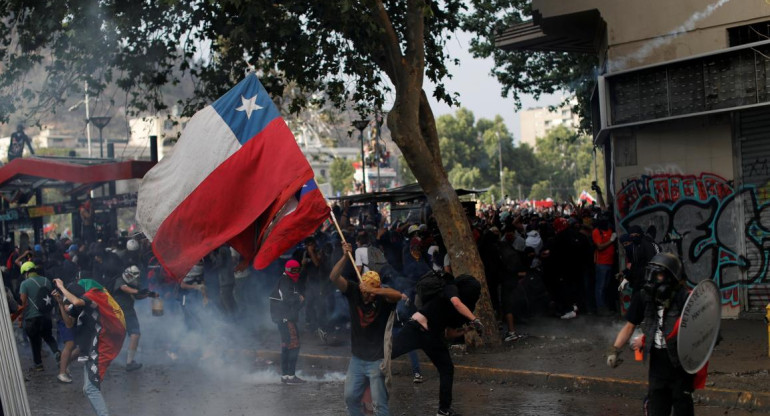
{"x": 25, "y": 180}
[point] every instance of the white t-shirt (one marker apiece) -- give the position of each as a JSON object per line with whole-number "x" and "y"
{"x": 362, "y": 258}
{"x": 432, "y": 250}
{"x": 660, "y": 341}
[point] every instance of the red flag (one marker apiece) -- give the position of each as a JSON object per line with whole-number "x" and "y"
{"x": 290, "y": 223}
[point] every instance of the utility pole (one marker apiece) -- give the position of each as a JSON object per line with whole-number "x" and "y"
{"x": 88, "y": 122}
{"x": 361, "y": 125}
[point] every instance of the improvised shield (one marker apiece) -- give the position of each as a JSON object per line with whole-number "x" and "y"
{"x": 699, "y": 327}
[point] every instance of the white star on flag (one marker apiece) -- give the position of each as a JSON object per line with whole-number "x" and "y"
{"x": 47, "y": 300}
{"x": 249, "y": 105}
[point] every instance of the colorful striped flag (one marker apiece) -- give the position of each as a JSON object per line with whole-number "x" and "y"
{"x": 235, "y": 176}
{"x": 110, "y": 329}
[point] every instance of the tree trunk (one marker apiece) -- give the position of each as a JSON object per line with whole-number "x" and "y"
{"x": 413, "y": 129}
{"x": 427, "y": 167}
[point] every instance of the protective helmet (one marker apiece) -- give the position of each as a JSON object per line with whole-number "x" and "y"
{"x": 669, "y": 262}
{"x": 560, "y": 224}
{"x": 371, "y": 278}
{"x": 413, "y": 229}
{"x": 27, "y": 267}
{"x": 132, "y": 245}
{"x": 131, "y": 275}
{"x": 292, "y": 269}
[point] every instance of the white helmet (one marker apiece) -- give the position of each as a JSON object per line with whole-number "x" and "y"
{"x": 132, "y": 245}
{"x": 131, "y": 275}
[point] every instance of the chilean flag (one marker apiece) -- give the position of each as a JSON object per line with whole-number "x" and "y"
{"x": 585, "y": 196}
{"x": 235, "y": 176}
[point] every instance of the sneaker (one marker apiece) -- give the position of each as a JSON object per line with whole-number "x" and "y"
{"x": 569, "y": 315}
{"x": 285, "y": 379}
{"x": 133, "y": 365}
{"x": 322, "y": 335}
{"x": 447, "y": 412}
{"x": 38, "y": 368}
{"x": 511, "y": 336}
{"x": 82, "y": 358}
{"x": 64, "y": 378}
{"x": 418, "y": 378}
{"x": 295, "y": 380}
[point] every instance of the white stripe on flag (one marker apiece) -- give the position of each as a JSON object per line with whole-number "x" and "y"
{"x": 206, "y": 143}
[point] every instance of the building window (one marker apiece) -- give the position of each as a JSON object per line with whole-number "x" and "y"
{"x": 742, "y": 35}
{"x": 625, "y": 148}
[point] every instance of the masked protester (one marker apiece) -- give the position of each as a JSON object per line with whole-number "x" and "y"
{"x": 126, "y": 290}
{"x": 445, "y": 315}
{"x": 657, "y": 307}
{"x": 37, "y": 304}
{"x": 285, "y": 303}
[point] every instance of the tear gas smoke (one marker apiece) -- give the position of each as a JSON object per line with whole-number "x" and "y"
{"x": 649, "y": 47}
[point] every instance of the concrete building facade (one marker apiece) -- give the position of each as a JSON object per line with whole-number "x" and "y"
{"x": 682, "y": 107}
{"x": 536, "y": 122}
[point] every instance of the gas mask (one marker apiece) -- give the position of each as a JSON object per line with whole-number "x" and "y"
{"x": 659, "y": 284}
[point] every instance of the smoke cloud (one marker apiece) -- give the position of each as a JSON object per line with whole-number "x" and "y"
{"x": 649, "y": 47}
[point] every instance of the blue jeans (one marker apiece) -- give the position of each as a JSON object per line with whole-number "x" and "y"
{"x": 603, "y": 272}
{"x": 93, "y": 394}
{"x": 361, "y": 373}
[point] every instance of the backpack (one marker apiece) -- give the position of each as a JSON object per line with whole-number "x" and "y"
{"x": 430, "y": 286}
{"x": 43, "y": 301}
{"x": 377, "y": 260}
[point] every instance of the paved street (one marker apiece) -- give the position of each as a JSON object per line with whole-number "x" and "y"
{"x": 182, "y": 390}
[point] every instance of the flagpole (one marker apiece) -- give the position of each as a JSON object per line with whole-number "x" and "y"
{"x": 342, "y": 237}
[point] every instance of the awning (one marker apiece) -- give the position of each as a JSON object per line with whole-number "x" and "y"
{"x": 580, "y": 32}
{"x": 71, "y": 175}
{"x": 401, "y": 194}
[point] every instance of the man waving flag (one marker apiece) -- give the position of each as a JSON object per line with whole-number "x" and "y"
{"x": 235, "y": 176}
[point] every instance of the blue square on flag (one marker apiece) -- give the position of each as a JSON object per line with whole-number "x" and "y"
{"x": 247, "y": 108}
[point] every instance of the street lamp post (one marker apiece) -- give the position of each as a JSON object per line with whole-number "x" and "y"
{"x": 380, "y": 117}
{"x": 361, "y": 125}
{"x": 101, "y": 123}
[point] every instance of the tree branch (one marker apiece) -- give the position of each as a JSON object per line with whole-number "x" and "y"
{"x": 390, "y": 42}
{"x": 415, "y": 36}
{"x": 428, "y": 129}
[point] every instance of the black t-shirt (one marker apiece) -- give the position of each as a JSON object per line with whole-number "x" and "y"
{"x": 440, "y": 312}
{"x": 124, "y": 300}
{"x": 367, "y": 324}
{"x": 16, "y": 147}
{"x": 635, "y": 312}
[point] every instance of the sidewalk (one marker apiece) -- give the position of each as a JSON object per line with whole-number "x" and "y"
{"x": 570, "y": 355}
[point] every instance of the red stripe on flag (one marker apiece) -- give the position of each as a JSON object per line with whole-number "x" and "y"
{"x": 311, "y": 212}
{"x": 266, "y": 171}
{"x": 110, "y": 338}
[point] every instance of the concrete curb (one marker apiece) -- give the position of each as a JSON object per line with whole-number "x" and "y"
{"x": 756, "y": 401}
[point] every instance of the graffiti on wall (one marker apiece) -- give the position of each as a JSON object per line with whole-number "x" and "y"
{"x": 698, "y": 217}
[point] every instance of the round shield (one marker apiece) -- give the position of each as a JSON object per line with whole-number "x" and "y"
{"x": 699, "y": 327}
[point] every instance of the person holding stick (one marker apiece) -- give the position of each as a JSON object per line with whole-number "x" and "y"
{"x": 370, "y": 308}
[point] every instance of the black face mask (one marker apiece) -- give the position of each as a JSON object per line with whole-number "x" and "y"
{"x": 659, "y": 291}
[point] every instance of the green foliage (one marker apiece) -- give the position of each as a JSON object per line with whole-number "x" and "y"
{"x": 341, "y": 173}
{"x": 541, "y": 190}
{"x": 404, "y": 172}
{"x": 332, "y": 47}
{"x": 529, "y": 72}
{"x": 470, "y": 150}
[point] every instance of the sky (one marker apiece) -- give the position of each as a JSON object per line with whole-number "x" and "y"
{"x": 479, "y": 91}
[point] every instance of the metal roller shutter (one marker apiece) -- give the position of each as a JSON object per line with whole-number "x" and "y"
{"x": 754, "y": 134}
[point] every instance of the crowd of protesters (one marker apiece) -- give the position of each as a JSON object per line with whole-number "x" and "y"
{"x": 558, "y": 261}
